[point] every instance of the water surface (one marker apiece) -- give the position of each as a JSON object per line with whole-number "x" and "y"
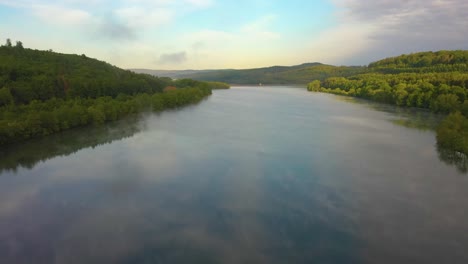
{"x": 250, "y": 175}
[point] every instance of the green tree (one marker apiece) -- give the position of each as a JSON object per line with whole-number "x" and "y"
{"x": 314, "y": 86}
{"x": 464, "y": 108}
{"x": 19, "y": 45}
{"x": 5, "y": 97}
{"x": 96, "y": 115}
{"x": 445, "y": 103}
{"x": 453, "y": 133}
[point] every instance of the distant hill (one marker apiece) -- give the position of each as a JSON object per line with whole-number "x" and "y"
{"x": 421, "y": 62}
{"x": 168, "y": 73}
{"x": 298, "y": 74}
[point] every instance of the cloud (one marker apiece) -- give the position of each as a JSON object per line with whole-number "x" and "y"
{"x": 125, "y": 19}
{"x": 256, "y": 31}
{"x": 113, "y": 27}
{"x": 173, "y": 58}
{"x": 127, "y": 23}
{"x": 337, "y": 45}
{"x": 260, "y": 27}
{"x": 250, "y": 45}
{"x": 200, "y": 3}
{"x": 357, "y": 33}
{"x": 114, "y": 30}
{"x": 56, "y": 14}
{"x": 141, "y": 18}
{"x": 402, "y": 26}
{"x": 209, "y": 39}
{"x": 260, "y": 24}
{"x": 61, "y": 15}
{"x": 13, "y": 3}
{"x": 149, "y": 2}
{"x": 411, "y": 16}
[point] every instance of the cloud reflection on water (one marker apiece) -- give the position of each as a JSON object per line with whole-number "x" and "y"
{"x": 224, "y": 183}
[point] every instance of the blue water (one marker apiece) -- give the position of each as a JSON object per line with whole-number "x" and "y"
{"x": 250, "y": 175}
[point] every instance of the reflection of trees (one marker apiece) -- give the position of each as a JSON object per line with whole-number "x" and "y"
{"x": 453, "y": 158}
{"x": 29, "y": 153}
{"x": 452, "y": 140}
{"x": 419, "y": 124}
{"x": 410, "y": 117}
{"x": 421, "y": 119}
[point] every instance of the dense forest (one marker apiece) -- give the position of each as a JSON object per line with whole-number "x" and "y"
{"x": 437, "y": 81}
{"x": 43, "y": 92}
{"x": 440, "y": 61}
{"x": 299, "y": 74}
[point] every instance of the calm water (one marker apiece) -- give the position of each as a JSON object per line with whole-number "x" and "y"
{"x": 250, "y": 175}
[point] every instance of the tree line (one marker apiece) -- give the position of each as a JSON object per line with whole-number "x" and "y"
{"x": 424, "y": 60}
{"x": 18, "y": 123}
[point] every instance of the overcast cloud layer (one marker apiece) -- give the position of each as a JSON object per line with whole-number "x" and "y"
{"x": 402, "y": 26}
{"x": 198, "y": 34}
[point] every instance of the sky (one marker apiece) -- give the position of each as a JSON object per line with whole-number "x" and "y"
{"x": 219, "y": 34}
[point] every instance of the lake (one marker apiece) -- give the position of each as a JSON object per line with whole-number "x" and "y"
{"x": 249, "y": 175}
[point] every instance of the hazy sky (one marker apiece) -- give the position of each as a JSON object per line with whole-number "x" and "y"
{"x": 206, "y": 34}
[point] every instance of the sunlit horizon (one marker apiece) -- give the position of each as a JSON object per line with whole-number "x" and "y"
{"x": 220, "y": 34}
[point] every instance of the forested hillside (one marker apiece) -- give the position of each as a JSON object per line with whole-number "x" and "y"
{"x": 437, "y": 81}
{"x": 174, "y": 74}
{"x": 440, "y": 61}
{"x": 299, "y": 74}
{"x": 43, "y": 92}
{"x": 27, "y": 75}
